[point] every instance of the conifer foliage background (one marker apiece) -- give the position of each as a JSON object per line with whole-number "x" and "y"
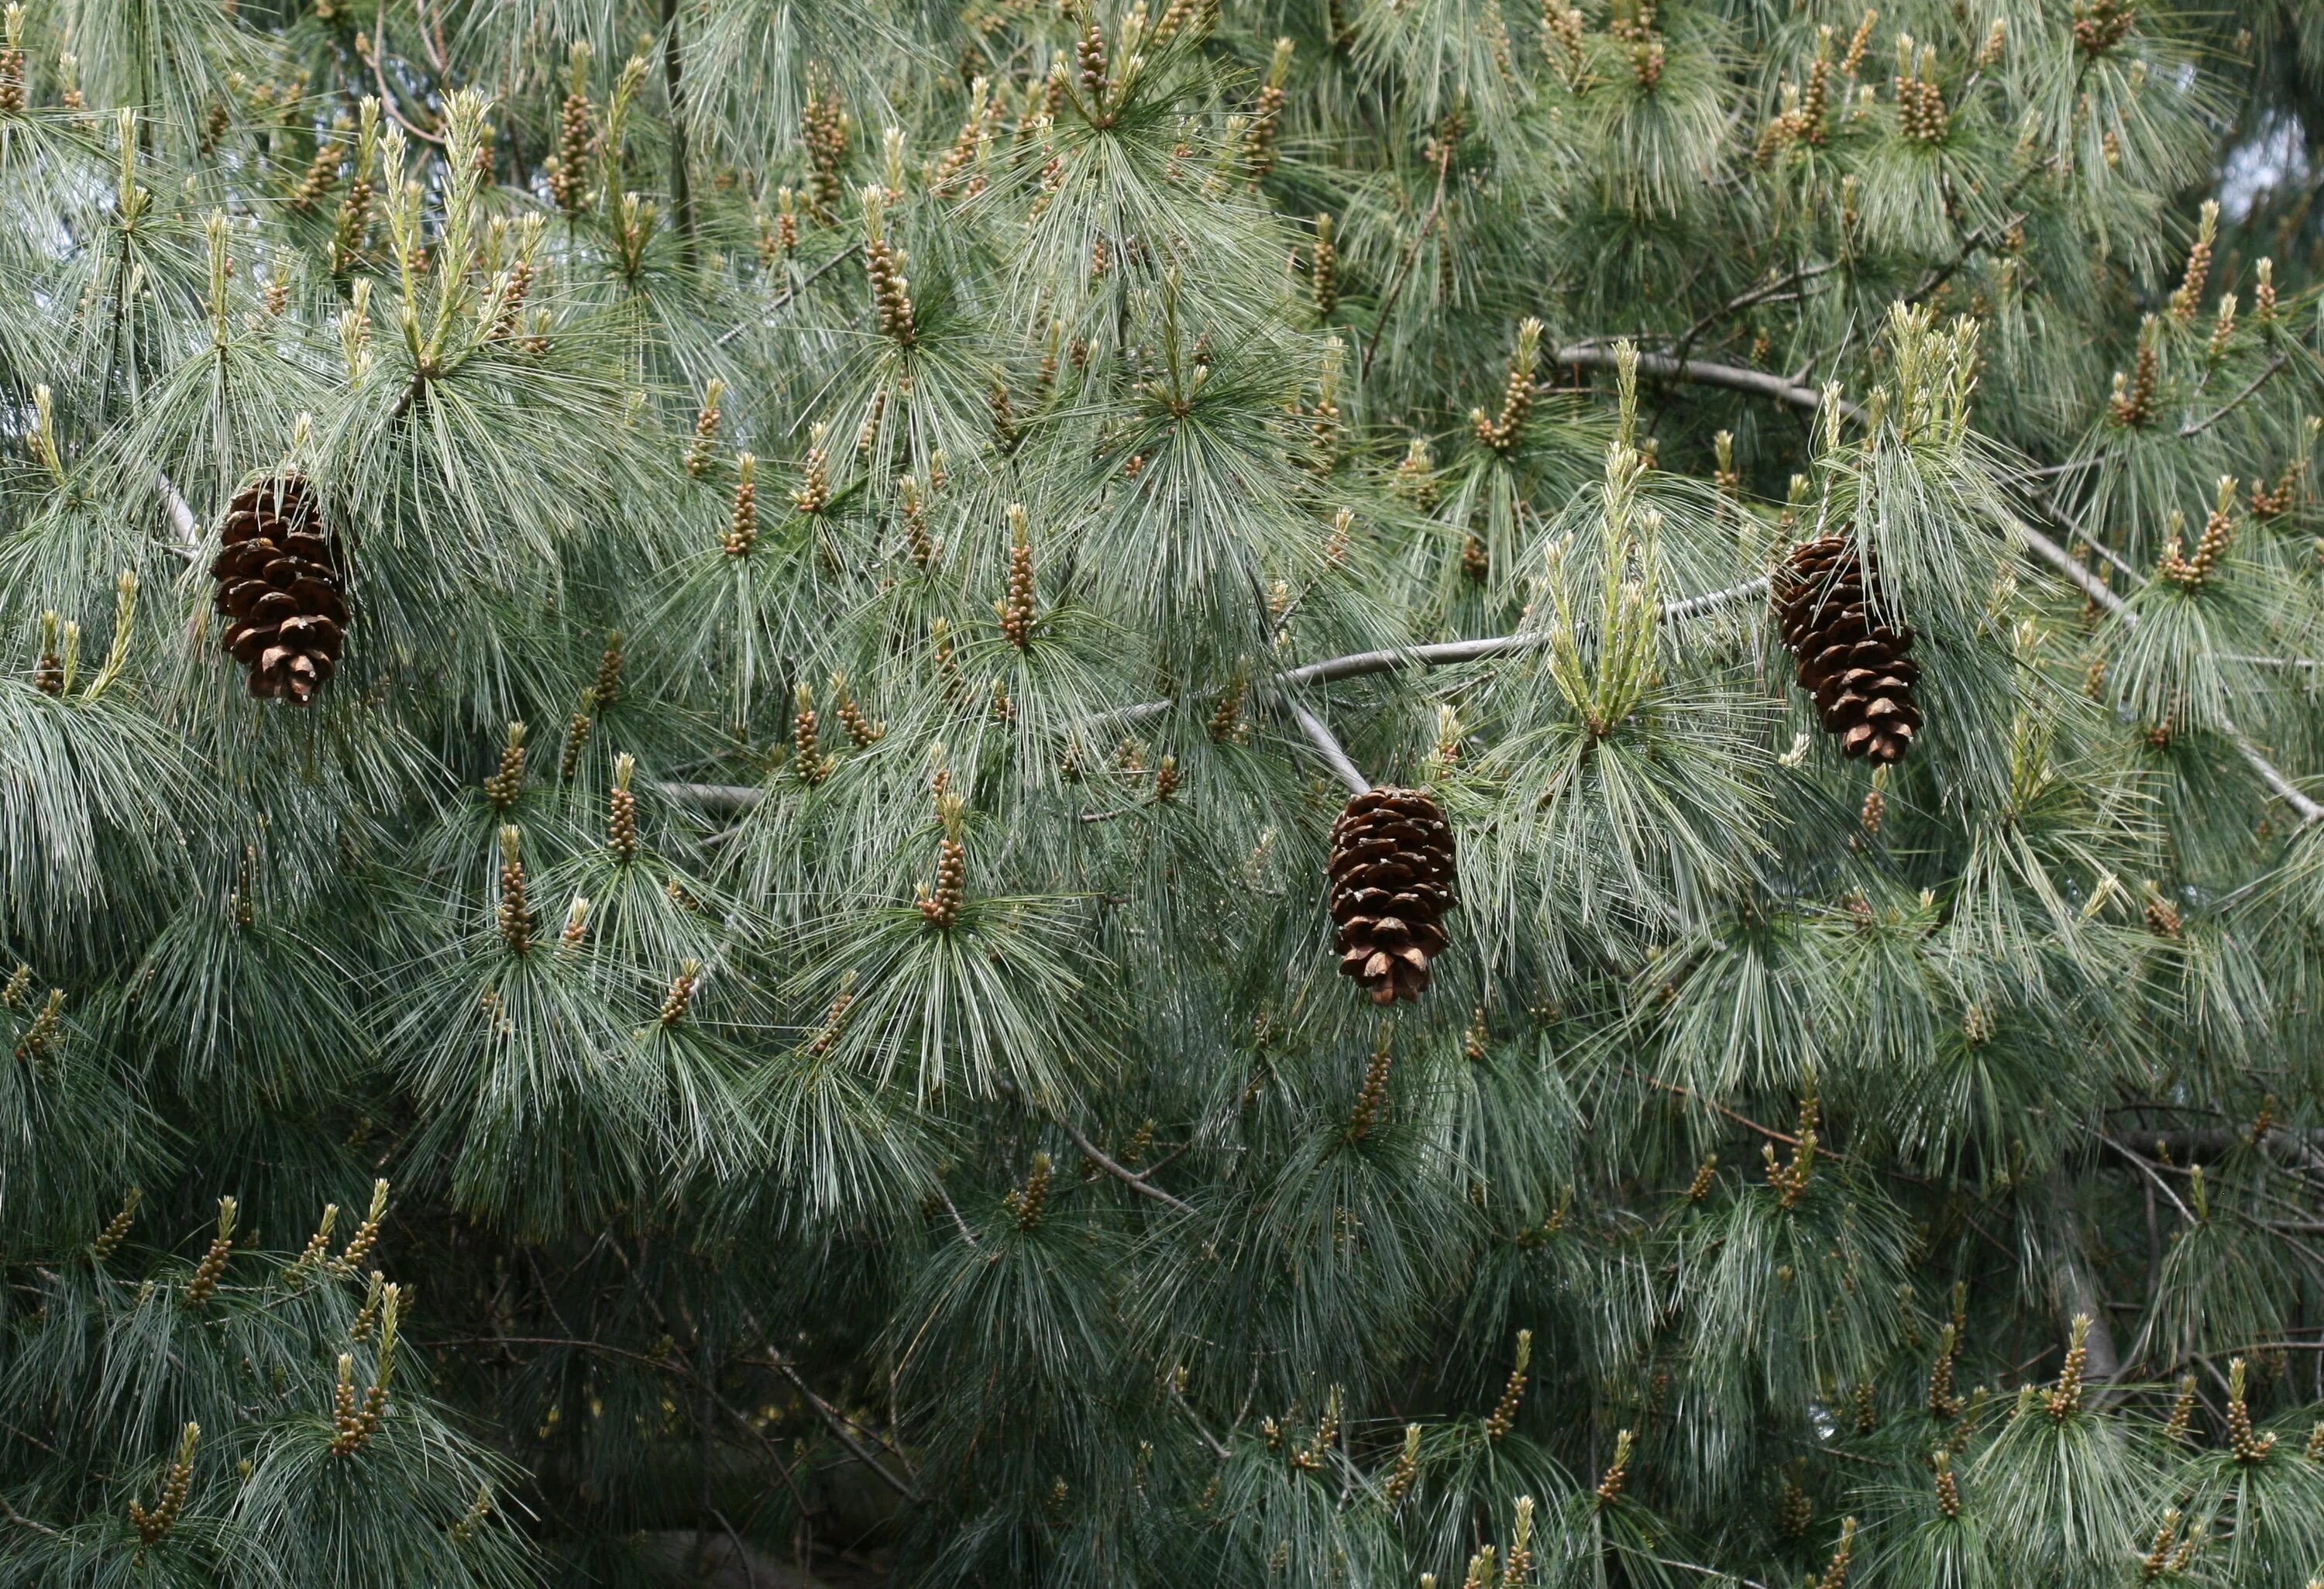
{"x": 776, "y": 1015}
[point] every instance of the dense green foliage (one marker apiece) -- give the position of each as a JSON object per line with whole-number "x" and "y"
{"x": 788, "y": 970}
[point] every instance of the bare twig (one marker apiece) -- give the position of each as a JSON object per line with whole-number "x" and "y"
{"x": 21, "y": 1521}
{"x": 1411, "y": 254}
{"x": 377, "y": 57}
{"x": 188, "y": 544}
{"x": 2091, "y": 586}
{"x": 1126, "y": 1176}
{"x": 1333, "y": 754}
{"x": 1745, "y": 300}
{"x": 742, "y": 1552}
{"x": 1733, "y": 376}
{"x": 2197, "y": 427}
{"x": 838, "y": 1427}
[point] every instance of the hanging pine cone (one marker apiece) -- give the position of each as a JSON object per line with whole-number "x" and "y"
{"x": 1392, "y": 880}
{"x": 1850, "y": 660}
{"x": 280, "y": 587}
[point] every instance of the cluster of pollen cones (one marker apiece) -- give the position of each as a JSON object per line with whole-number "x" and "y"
{"x": 280, "y": 588}
{"x": 1391, "y": 873}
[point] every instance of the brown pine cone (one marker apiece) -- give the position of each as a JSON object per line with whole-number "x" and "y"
{"x": 280, "y": 588}
{"x": 1851, "y": 659}
{"x": 1392, "y": 878}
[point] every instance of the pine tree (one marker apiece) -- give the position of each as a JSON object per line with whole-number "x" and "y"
{"x": 1050, "y": 533}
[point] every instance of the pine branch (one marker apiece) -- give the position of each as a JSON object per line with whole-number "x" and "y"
{"x": 21, "y": 1521}
{"x": 728, "y": 797}
{"x": 1127, "y": 1177}
{"x": 728, "y": 338}
{"x": 838, "y": 1427}
{"x": 1799, "y": 276}
{"x": 1097, "y": 1156}
{"x": 2197, "y": 427}
{"x": 1411, "y": 255}
{"x": 1330, "y": 750}
{"x": 1822, "y": 1150}
{"x": 2091, "y": 586}
{"x": 1666, "y": 368}
{"x": 1450, "y": 654}
{"x": 188, "y": 544}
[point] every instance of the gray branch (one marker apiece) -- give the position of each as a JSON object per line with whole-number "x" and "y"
{"x": 730, "y": 797}
{"x": 1117, "y": 1170}
{"x": 1452, "y": 654}
{"x": 188, "y": 544}
{"x": 1326, "y": 747}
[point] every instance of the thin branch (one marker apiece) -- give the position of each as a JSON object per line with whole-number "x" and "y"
{"x": 21, "y": 1521}
{"x": 674, "y": 87}
{"x": 188, "y": 544}
{"x": 802, "y": 284}
{"x": 30, "y": 1438}
{"x": 731, "y": 796}
{"x": 1126, "y": 1176}
{"x": 1973, "y": 244}
{"x": 1403, "y": 269}
{"x": 1745, "y": 1120}
{"x": 1217, "y": 1449}
{"x": 1664, "y": 367}
{"x": 1724, "y": 1577}
{"x": 714, "y": 797}
{"x": 838, "y": 1427}
{"x": 660, "y": 1364}
{"x": 1450, "y": 654}
{"x": 2197, "y": 427}
{"x": 952, "y": 1209}
{"x": 2077, "y": 573}
{"x": 2091, "y": 586}
{"x": 377, "y": 56}
{"x": 1747, "y": 299}
{"x": 2275, "y": 777}
{"x": 431, "y": 39}
{"x": 742, "y": 1552}
{"x": 2047, "y": 499}
{"x": 1330, "y": 750}
{"x": 1097, "y": 1156}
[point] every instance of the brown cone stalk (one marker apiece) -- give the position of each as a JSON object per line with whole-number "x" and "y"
{"x": 1391, "y": 873}
{"x": 281, "y": 587}
{"x": 1851, "y": 659}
